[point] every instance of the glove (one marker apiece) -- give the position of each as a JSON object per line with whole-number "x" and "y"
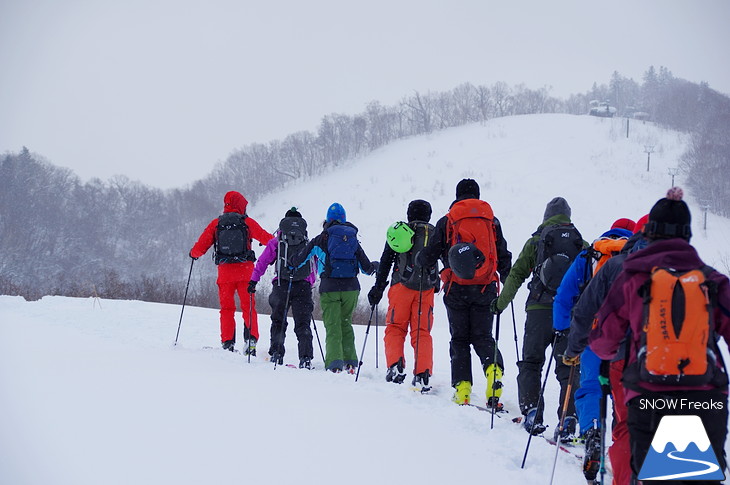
{"x": 561, "y": 333}
{"x": 375, "y": 295}
{"x": 252, "y": 286}
{"x": 376, "y": 265}
{"x": 571, "y": 361}
{"x": 493, "y": 307}
{"x": 191, "y": 255}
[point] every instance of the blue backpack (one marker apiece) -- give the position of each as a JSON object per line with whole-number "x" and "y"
{"x": 341, "y": 248}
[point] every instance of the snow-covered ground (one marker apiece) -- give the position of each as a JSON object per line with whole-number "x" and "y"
{"x": 93, "y": 392}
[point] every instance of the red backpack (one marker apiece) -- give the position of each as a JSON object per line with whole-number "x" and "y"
{"x": 472, "y": 221}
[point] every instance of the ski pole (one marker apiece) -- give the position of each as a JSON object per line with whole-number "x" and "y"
{"x": 319, "y": 342}
{"x": 377, "y": 342}
{"x": 494, "y": 363}
{"x": 192, "y": 261}
{"x": 250, "y": 325}
{"x": 418, "y": 329}
{"x": 606, "y": 389}
{"x": 514, "y": 327}
{"x": 563, "y": 412}
{"x": 367, "y": 331}
{"x": 540, "y": 399}
{"x": 282, "y": 330}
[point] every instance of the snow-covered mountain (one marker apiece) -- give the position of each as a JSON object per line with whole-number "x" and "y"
{"x": 93, "y": 392}
{"x": 680, "y": 431}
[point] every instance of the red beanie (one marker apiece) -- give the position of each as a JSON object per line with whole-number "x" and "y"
{"x": 642, "y": 222}
{"x": 624, "y": 223}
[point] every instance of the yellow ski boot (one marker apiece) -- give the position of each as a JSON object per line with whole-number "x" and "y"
{"x": 494, "y": 386}
{"x": 462, "y": 394}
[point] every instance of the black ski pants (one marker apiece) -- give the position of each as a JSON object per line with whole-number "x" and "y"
{"x": 470, "y": 324}
{"x": 644, "y": 418}
{"x": 300, "y": 302}
{"x": 539, "y": 335}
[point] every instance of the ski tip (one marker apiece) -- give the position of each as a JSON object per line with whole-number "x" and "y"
{"x": 421, "y": 390}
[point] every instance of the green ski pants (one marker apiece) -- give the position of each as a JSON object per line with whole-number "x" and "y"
{"x": 337, "y": 309}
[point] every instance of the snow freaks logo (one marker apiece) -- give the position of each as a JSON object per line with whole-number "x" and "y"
{"x": 681, "y": 450}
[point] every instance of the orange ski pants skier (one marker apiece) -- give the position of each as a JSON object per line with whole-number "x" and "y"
{"x": 403, "y": 313}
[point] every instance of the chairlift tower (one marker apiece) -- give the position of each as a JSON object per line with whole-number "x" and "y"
{"x": 648, "y": 149}
{"x": 673, "y": 171}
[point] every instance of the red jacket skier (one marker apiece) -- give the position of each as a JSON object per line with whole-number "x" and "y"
{"x": 234, "y": 277}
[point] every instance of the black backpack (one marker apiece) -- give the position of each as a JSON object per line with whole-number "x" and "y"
{"x": 292, "y": 238}
{"x": 557, "y": 247}
{"x": 407, "y": 271}
{"x": 232, "y": 242}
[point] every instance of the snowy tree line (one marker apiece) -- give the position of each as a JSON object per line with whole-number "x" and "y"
{"x": 122, "y": 239}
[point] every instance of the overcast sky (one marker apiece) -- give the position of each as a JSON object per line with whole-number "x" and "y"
{"x": 163, "y": 90}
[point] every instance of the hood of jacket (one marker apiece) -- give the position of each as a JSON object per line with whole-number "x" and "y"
{"x": 617, "y": 233}
{"x": 673, "y": 253}
{"x": 635, "y": 243}
{"x": 234, "y": 202}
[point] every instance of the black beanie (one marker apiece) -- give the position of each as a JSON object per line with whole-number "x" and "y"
{"x": 293, "y": 212}
{"x": 669, "y": 218}
{"x": 419, "y": 210}
{"x": 467, "y": 188}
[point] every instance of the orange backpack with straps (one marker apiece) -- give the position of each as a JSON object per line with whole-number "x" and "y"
{"x": 472, "y": 221}
{"x": 678, "y": 344}
{"x": 604, "y": 249}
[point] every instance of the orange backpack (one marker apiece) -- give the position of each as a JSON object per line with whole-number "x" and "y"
{"x": 604, "y": 249}
{"x": 678, "y": 344}
{"x": 472, "y": 221}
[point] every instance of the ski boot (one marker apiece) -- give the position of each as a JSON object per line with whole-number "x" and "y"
{"x": 532, "y": 424}
{"x": 592, "y": 456}
{"x": 462, "y": 394}
{"x": 494, "y": 387}
{"x": 420, "y": 382}
{"x": 305, "y": 363}
{"x": 567, "y": 434}
{"x": 277, "y": 358}
{"x": 396, "y": 373}
{"x": 251, "y": 349}
{"x": 229, "y": 345}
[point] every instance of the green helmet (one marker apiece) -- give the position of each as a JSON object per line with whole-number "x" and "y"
{"x": 400, "y": 237}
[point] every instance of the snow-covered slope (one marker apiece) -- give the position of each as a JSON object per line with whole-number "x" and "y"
{"x": 92, "y": 392}
{"x": 520, "y": 163}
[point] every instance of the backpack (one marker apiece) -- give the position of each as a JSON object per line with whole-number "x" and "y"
{"x": 291, "y": 239}
{"x": 232, "y": 242}
{"x": 678, "y": 341}
{"x": 472, "y": 221}
{"x": 557, "y": 247}
{"x": 342, "y": 245}
{"x": 407, "y": 271}
{"x": 598, "y": 253}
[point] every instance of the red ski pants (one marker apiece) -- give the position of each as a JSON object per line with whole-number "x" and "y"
{"x": 403, "y": 313}
{"x": 620, "y": 451}
{"x": 226, "y": 293}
